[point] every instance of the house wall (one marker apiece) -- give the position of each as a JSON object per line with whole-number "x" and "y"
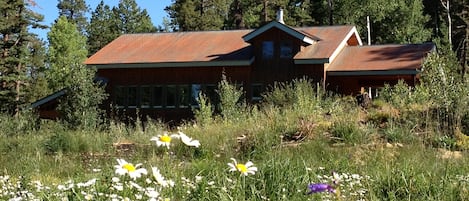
{"x": 126, "y": 83}
{"x": 351, "y": 85}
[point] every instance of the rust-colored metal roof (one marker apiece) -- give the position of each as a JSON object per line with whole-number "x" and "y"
{"x": 381, "y": 57}
{"x": 174, "y": 47}
{"x": 205, "y": 46}
{"x": 330, "y": 39}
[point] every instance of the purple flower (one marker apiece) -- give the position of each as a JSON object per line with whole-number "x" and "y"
{"x": 320, "y": 187}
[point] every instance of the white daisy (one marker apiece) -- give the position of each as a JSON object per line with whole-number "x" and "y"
{"x": 188, "y": 141}
{"x": 164, "y": 140}
{"x": 244, "y": 169}
{"x": 128, "y": 168}
{"x": 160, "y": 179}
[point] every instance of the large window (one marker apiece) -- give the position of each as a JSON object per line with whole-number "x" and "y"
{"x": 145, "y": 96}
{"x": 286, "y": 50}
{"x": 267, "y": 49}
{"x": 171, "y": 96}
{"x": 256, "y": 92}
{"x": 132, "y": 97}
{"x": 158, "y": 96}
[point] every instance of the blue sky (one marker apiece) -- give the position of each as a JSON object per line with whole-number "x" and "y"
{"x": 48, "y": 8}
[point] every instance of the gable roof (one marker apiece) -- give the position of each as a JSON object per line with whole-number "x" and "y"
{"x": 332, "y": 40}
{"x": 397, "y": 59}
{"x": 213, "y": 48}
{"x": 305, "y": 37}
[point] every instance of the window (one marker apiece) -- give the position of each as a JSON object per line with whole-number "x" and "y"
{"x": 286, "y": 49}
{"x": 132, "y": 97}
{"x": 195, "y": 91}
{"x": 184, "y": 96}
{"x": 256, "y": 92}
{"x": 145, "y": 96}
{"x": 171, "y": 96}
{"x": 158, "y": 97}
{"x": 267, "y": 49}
{"x": 120, "y": 96}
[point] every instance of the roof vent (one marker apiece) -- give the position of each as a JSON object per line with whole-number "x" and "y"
{"x": 280, "y": 16}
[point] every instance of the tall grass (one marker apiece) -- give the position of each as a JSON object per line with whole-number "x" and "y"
{"x": 298, "y": 135}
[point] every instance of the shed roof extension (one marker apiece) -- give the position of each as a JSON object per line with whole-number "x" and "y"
{"x": 389, "y": 59}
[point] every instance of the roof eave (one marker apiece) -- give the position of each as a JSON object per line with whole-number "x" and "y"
{"x": 175, "y": 64}
{"x": 374, "y": 72}
{"x": 311, "y": 61}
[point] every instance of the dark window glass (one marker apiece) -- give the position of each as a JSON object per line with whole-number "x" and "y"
{"x": 256, "y": 91}
{"x": 184, "y": 96}
{"x": 171, "y": 96}
{"x": 158, "y": 96}
{"x": 145, "y": 96}
{"x": 286, "y": 50}
{"x": 195, "y": 90}
{"x": 132, "y": 97}
{"x": 119, "y": 96}
{"x": 267, "y": 49}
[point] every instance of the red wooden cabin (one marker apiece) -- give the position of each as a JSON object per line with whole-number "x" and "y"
{"x": 161, "y": 74}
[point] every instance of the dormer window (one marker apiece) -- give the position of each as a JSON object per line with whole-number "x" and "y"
{"x": 286, "y": 50}
{"x": 267, "y": 49}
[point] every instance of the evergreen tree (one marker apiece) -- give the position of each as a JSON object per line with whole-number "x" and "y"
{"x": 400, "y": 21}
{"x": 107, "y": 24}
{"x": 66, "y": 55}
{"x": 75, "y": 11}
{"x": 14, "y": 52}
{"x": 199, "y": 15}
{"x": 38, "y": 87}
{"x": 131, "y": 19}
{"x": 101, "y": 31}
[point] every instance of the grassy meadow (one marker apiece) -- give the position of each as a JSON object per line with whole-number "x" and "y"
{"x": 299, "y": 135}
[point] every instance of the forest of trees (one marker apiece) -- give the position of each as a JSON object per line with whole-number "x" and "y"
{"x": 30, "y": 69}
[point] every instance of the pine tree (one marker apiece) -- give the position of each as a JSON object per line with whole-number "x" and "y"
{"x": 131, "y": 19}
{"x": 199, "y": 15}
{"x": 400, "y": 21}
{"x": 107, "y": 24}
{"x": 75, "y": 11}
{"x": 101, "y": 31}
{"x": 14, "y": 52}
{"x": 66, "y": 54}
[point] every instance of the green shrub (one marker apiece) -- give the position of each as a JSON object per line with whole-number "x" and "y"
{"x": 347, "y": 131}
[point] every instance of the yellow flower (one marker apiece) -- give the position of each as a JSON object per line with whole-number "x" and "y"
{"x": 163, "y": 140}
{"x": 244, "y": 169}
{"x": 124, "y": 167}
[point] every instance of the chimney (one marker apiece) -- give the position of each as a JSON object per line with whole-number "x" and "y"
{"x": 280, "y": 16}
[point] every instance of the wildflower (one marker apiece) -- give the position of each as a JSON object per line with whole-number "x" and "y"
{"x": 163, "y": 140}
{"x": 188, "y": 141}
{"x": 128, "y": 168}
{"x": 160, "y": 179}
{"x": 245, "y": 169}
{"x": 320, "y": 187}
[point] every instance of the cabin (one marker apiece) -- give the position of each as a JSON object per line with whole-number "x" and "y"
{"x": 161, "y": 74}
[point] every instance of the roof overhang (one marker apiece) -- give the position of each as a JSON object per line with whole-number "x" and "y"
{"x": 374, "y": 72}
{"x": 175, "y": 64}
{"x": 301, "y": 36}
{"x": 311, "y": 61}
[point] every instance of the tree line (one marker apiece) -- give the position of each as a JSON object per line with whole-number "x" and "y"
{"x": 30, "y": 68}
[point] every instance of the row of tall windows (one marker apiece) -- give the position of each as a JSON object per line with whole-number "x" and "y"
{"x": 170, "y": 96}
